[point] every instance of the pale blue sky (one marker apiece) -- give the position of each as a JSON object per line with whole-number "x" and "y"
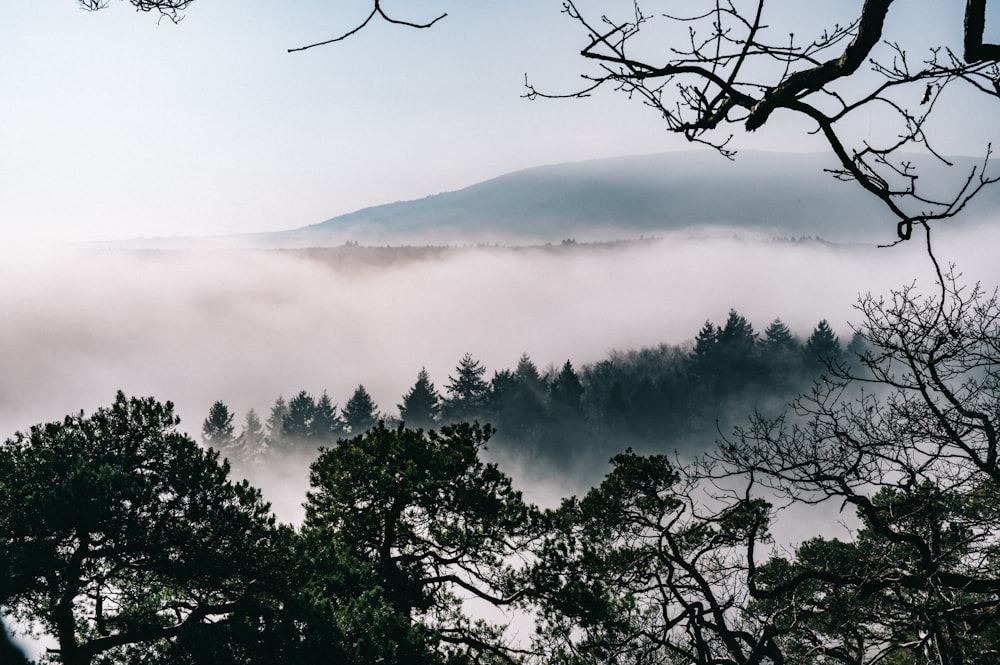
{"x": 117, "y": 125}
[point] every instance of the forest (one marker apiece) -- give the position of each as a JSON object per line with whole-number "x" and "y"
{"x": 127, "y": 541}
{"x": 667, "y": 398}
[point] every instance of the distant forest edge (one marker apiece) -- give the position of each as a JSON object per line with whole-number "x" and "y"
{"x": 663, "y": 399}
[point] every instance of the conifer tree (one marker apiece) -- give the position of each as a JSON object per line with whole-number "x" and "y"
{"x": 298, "y": 421}
{"x": 823, "y": 346}
{"x": 360, "y": 412}
{"x": 778, "y": 339}
{"x": 253, "y": 441}
{"x": 422, "y": 404}
{"x": 566, "y": 393}
{"x": 781, "y": 361}
{"x": 326, "y": 425}
{"x": 276, "y": 422}
{"x": 524, "y": 411}
{"x": 217, "y": 428}
{"x": 467, "y": 392}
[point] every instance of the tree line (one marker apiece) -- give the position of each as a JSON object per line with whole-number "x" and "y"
{"x": 667, "y": 396}
{"x": 127, "y": 542}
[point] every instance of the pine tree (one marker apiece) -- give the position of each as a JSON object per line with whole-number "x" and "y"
{"x": 467, "y": 392}
{"x": 704, "y": 342}
{"x": 297, "y": 422}
{"x": 326, "y": 425}
{"x": 217, "y": 429}
{"x": 737, "y": 337}
{"x": 276, "y": 423}
{"x": 524, "y": 412}
{"x": 781, "y": 356}
{"x": 823, "y": 346}
{"x": 422, "y": 404}
{"x": 566, "y": 394}
{"x": 737, "y": 348}
{"x": 778, "y": 339}
{"x": 857, "y": 346}
{"x": 360, "y": 412}
{"x": 253, "y": 443}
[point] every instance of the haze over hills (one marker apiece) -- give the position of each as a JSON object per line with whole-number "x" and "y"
{"x": 775, "y": 194}
{"x": 785, "y": 194}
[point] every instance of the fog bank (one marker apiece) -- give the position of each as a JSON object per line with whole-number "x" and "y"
{"x": 245, "y": 326}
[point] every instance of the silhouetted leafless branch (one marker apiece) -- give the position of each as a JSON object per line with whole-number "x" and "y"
{"x": 168, "y": 8}
{"x": 736, "y": 68}
{"x": 376, "y": 11}
{"x": 731, "y": 66}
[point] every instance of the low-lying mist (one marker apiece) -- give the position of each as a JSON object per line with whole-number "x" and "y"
{"x": 244, "y": 326}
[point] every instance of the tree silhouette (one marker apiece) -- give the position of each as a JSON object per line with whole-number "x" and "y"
{"x": 360, "y": 412}
{"x": 403, "y": 524}
{"x": 725, "y": 65}
{"x": 276, "y": 422}
{"x": 733, "y": 65}
{"x": 823, "y": 346}
{"x": 917, "y": 459}
{"x": 566, "y": 394}
{"x": 217, "y": 429}
{"x": 253, "y": 441}
{"x": 119, "y": 533}
{"x": 468, "y": 392}
{"x": 325, "y": 425}
{"x": 421, "y": 404}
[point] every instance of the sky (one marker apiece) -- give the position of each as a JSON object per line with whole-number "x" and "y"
{"x": 120, "y": 125}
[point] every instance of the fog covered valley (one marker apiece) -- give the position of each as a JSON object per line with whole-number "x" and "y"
{"x": 582, "y": 350}
{"x": 245, "y": 326}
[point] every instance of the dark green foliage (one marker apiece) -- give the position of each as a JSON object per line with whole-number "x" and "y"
{"x": 823, "y": 347}
{"x": 900, "y": 591}
{"x": 517, "y": 402}
{"x": 631, "y": 574}
{"x": 400, "y": 524}
{"x": 360, "y": 412}
{"x": 118, "y": 533}
{"x": 778, "y": 339}
{"x": 421, "y": 404}
{"x": 217, "y": 429}
{"x": 297, "y": 422}
{"x": 566, "y": 395}
{"x": 468, "y": 392}
{"x": 326, "y": 425}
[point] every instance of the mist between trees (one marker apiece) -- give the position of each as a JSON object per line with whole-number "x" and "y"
{"x": 128, "y": 543}
{"x": 668, "y": 398}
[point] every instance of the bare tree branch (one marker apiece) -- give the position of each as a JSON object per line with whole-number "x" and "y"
{"x": 376, "y": 11}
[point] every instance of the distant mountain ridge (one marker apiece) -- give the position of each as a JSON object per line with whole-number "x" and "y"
{"x": 777, "y": 194}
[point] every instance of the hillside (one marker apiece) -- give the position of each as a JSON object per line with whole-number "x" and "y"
{"x": 776, "y": 193}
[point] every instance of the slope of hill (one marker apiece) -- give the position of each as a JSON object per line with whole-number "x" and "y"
{"x": 777, "y": 194}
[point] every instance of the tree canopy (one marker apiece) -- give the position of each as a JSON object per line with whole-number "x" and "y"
{"x": 405, "y": 523}
{"x": 119, "y": 533}
{"x": 128, "y": 543}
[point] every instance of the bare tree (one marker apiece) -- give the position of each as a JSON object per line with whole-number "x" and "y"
{"x": 734, "y": 63}
{"x": 646, "y": 569}
{"x": 377, "y": 12}
{"x": 171, "y": 9}
{"x": 911, "y": 443}
{"x": 737, "y": 64}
